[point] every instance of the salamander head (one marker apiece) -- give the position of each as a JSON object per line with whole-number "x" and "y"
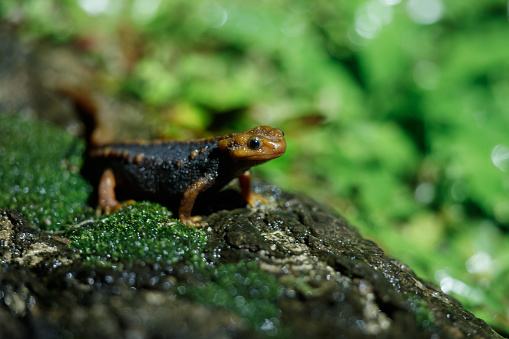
{"x": 256, "y": 145}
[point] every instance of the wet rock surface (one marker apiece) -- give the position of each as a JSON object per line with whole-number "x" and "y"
{"x": 333, "y": 283}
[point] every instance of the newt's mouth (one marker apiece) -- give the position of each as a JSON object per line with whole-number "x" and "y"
{"x": 263, "y": 156}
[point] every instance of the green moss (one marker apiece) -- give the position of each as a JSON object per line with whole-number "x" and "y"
{"x": 145, "y": 231}
{"x": 39, "y": 172}
{"x": 244, "y": 289}
{"x": 422, "y": 313}
{"x": 142, "y": 231}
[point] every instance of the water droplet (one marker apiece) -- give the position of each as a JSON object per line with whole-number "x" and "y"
{"x": 213, "y": 14}
{"x": 391, "y": 2}
{"x": 268, "y": 326}
{"x": 143, "y": 10}
{"x": 370, "y": 18}
{"x": 479, "y": 263}
{"x": 181, "y": 290}
{"x": 94, "y": 7}
{"x": 425, "y": 12}
{"x": 425, "y": 193}
{"x": 500, "y": 157}
{"x": 458, "y": 191}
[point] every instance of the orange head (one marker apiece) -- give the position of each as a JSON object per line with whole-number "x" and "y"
{"x": 256, "y": 145}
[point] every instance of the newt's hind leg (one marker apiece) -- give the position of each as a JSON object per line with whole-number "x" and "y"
{"x": 245, "y": 188}
{"x": 106, "y": 190}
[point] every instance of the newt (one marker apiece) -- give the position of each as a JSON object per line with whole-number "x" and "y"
{"x": 170, "y": 170}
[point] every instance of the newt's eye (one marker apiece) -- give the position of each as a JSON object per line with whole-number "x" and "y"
{"x": 254, "y": 143}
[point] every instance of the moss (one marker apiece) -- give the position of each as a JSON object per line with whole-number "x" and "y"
{"x": 244, "y": 289}
{"x": 422, "y": 313}
{"x": 146, "y": 232}
{"x": 142, "y": 231}
{"x": 39, "y": 172}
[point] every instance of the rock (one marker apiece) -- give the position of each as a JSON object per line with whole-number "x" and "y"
{"x": 23, "y": 244}
{"x": 332, "y": 282}
{"x": 336, "y": 281}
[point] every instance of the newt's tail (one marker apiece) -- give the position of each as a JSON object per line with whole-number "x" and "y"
{"x": 88, "y": 110}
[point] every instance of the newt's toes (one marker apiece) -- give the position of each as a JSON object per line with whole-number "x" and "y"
{"x": 195, "y": 221}
{"x": 254, "y": 198}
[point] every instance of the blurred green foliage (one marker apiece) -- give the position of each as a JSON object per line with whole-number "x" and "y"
{"x": 395, "y": 111}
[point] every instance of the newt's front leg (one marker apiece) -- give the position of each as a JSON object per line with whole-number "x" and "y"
{"x": 245, "y": 188}
{"x": 189, "y": 198}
